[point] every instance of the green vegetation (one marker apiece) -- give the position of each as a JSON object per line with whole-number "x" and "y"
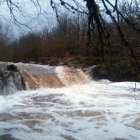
{"x": 121, "y": 71}
{"x": 6, "y": 51}
{"x": 54, "y": 61}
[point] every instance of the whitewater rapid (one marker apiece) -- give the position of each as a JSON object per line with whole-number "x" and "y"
{"x": 96, "y": 110}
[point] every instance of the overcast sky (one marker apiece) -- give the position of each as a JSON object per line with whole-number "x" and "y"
{"x": 35, "y": 15}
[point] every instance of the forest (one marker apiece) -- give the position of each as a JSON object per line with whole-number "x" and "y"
{"x": 71, "y": 43}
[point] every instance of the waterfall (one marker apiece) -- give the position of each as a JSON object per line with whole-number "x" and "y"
{"x": 21, "y": 76}
{"x": 70, "y": 106}
{"x": 37, "y": 76}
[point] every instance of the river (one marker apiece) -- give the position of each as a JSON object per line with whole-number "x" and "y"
{"x": 92, "y": 110}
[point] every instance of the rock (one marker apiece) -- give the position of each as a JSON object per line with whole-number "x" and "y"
{"x": 11, "y": 67}
{"x": 11, "y": 79}
{"x": 31, "y": 62}
{"x": 62, "y": 64}
{"x": 89, "y": 70}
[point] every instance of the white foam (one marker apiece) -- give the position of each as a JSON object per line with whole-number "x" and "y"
{"x": 101, "y": 110}
{"x": 69, "y": 76}
{"x": 36, "y": 68}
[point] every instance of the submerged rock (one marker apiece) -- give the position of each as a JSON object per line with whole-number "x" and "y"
{"x": 10, "y": 79}
{"x": 89, "y": 71}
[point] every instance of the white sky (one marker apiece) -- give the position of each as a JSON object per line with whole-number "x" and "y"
{"x": 29, "y": 14}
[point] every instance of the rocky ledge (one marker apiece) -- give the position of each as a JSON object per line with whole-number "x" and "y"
{"x": 10, "y": 79}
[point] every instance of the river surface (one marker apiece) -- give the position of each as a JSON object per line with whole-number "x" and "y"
{"x": 98, "y": 110}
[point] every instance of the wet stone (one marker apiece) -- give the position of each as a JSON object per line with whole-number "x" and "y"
{"x": 7, "y": 137}
{"x": 10, "y": 79}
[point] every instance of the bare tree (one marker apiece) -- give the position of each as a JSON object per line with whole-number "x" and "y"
{"x": 101, "y": 14}
{"x": 95, "y": 18}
